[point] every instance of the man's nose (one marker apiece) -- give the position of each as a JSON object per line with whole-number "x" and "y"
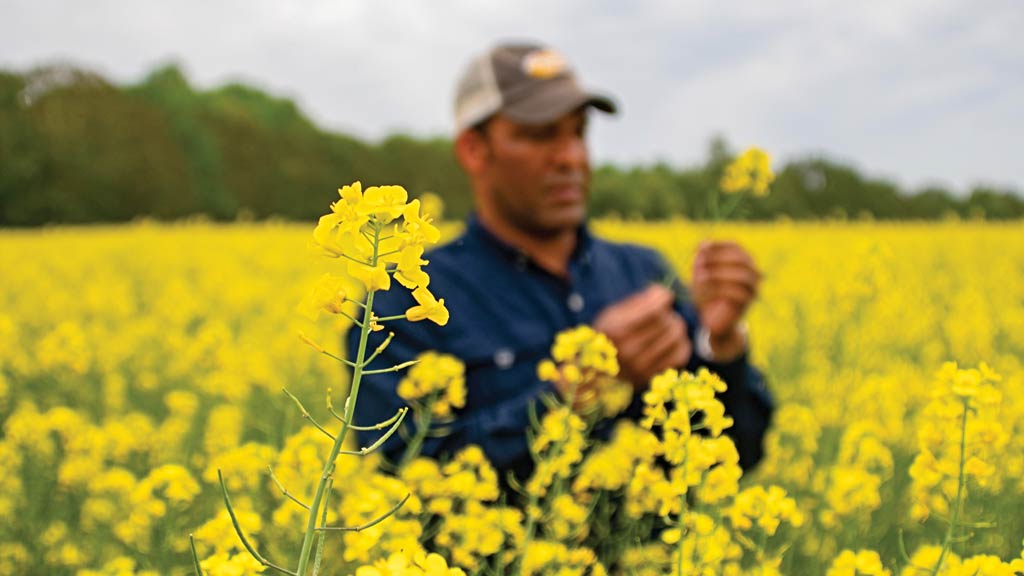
{"x": 571, "y": 151}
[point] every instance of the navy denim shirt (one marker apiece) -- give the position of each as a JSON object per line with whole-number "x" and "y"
{"x": 505, "y": 312}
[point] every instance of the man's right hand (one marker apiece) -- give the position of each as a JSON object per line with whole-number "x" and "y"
{"x": 648, "y": 333}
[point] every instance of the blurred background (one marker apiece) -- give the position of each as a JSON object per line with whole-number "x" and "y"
{"x": 139, "y": 360}
{"x": 110, "y": 111}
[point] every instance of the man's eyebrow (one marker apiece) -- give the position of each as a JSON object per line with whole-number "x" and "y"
{"x": 537, "y": 128}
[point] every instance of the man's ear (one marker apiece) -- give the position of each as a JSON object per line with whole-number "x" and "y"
{"x": 471, "y": 150}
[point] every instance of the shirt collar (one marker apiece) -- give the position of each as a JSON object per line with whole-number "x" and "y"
{"x": 476, "y": 229}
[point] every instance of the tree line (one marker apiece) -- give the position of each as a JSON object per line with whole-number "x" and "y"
{"x": 76, "y": 148}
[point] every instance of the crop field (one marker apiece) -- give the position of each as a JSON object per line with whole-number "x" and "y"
{"x": 136, "y": 361}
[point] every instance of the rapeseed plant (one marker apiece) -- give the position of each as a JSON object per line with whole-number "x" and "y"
{"x": 363, "y": 230}
{"x": 749, "y": 173}
{"x": 852, "y": 323}
{"x": 434, "y": 387}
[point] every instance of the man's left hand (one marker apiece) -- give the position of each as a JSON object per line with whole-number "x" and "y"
{"x": 725, "y": 282}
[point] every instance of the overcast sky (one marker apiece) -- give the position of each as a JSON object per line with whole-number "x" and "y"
{"x": 919, "y": 91}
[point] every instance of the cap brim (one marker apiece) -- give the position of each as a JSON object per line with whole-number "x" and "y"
{"x": 556, "y": 100}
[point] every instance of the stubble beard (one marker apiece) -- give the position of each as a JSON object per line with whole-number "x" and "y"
{"x": 542, "y": 221}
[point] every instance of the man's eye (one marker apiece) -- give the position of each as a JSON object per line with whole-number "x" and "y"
{"x": 541, "y": 133}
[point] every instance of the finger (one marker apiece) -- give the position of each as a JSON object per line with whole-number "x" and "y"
{"x": 725, "y": 259}
{"x": 635, "y": 341}
{"x": 653, "y": 357}
{"x": 746, "y": 280}
{"x": 660, "y": 343}
{"x": 715, "y": 252}
{"x": 728, "y": 273}
{"x": 633, "y": 312}
{"x": 706, "y": 292}
{"x": 652, "y": 299}
{"x": 708, "y": 281}
{"x": 634, "y": 347}
{"x": 713, "y": 246}
{"x": 710, "y": 247}
{"x": 737, "y": 294}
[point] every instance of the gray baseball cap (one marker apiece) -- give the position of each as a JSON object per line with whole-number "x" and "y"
{"x": 528, "y": 83}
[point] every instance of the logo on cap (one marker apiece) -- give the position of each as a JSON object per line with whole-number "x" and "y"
{"x": 543, "y": 64}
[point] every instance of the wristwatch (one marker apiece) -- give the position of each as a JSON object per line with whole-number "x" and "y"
{"x": 705, "y": 351}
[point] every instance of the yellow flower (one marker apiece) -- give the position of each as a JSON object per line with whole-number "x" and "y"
{"x": 420, "y": 230}
{"x": 225, "y": 564}
{"x": 587, "y": 361}
{"x": 384, "y": 203}
{"x": 442, "y": 375}
{"x": 750, "y": 172}
{"x": 558, "y": 446}
{"x": 768, "y": 508}
{"x": 547, "y": 370}
{"x": 434, "y": 565}
{"x": 567, "y": 519}
{"x": 433, "y": 206}
{"x": 373, "y": 277}
{"x": 428, "y": 308}
{"x": 328, "y": 294}
{"x": 335, "y": 236}
{"x": 924, "y": 559}
{"x": 409, "y": 272}
{"x": 962, "y": 397}
{"x": 351, "y": 196}
{"x": 860, "y": 563}
{"x": 977, "y": 384}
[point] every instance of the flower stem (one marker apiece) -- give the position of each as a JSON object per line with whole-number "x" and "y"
{"x": 947, "y": 544}
{"x": 320, "y": 541}
{"x": 412, "y": 450}
{"x": 531, "y": 518}
{"x": 682, "y": 533}
{"x": 350, "y": 407}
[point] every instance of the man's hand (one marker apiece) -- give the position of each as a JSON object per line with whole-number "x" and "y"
{"x": 649, "y": 334}
{"x": 725, "y": 282}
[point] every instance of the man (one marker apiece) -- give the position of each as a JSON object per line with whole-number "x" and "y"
{"x": 527, "y": 267}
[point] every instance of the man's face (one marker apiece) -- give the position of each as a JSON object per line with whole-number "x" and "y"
{"x": 536, "y": 177}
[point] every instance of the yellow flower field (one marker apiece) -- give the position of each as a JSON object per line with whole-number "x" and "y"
{"x": 136, "y": 361}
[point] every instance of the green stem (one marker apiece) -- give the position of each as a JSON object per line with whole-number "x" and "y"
{"x": 350, "y": 407}
{"x": 395, "y": 368}
{"x": 682, "y": 515}
{"x": 682, "y": 508}
{"x": 531, "y": 518}
{"x": 371, "y": 523}
{"x": 319, "y": 554}
{"x": 195, "y": 556}
{"x": 531, "y": 521}
{"x": 732, "y": 205}
{"x": 948, "y": 543}
{"x": 412, "y": 450}
{"x": 713, "y": 205}
{"x": 682, "y": 533}
{"x": 380, "y": 348}
{"x": 241, "y": 535}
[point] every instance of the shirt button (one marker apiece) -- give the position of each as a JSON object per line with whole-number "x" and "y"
{"x": 575, "y": 302}
{"x": 504, "y": 358}
{"x": 521, "y": 261}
